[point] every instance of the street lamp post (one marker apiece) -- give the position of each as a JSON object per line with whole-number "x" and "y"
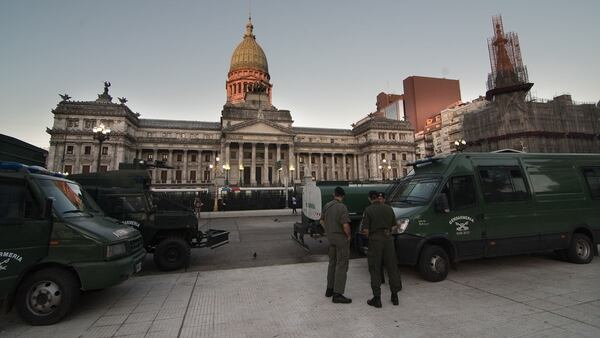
{"x": 460, "y": 145}
{"x": 226, "y": 167}
{"x": 101, "y": 134}
{"x": 290, "y": 175}
{"x": 241, "y": 180}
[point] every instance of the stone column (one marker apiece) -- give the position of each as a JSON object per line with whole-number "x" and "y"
{"x": 308, "y": 165}
{"x": 170, "y": 171}
{"x": 240, "y": 162}
{"x": 332, "y": 166}
{"x": 253, "y": 167}
{"x": 321, "y": 168}
{"x": 345, "y": 178}
{"x": 227, "y": 154}
{"x": 184, "y": 174}
{"x": 291, "y": 162}
{"x": 265, "y": 177}
{"x": 354, "y": 167}
{"x": 277, "y": 158}
{"x": 297, "y": 174}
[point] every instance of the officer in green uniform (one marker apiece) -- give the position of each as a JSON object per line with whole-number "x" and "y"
{"x": 336, "y": 221}
{"x": 378, "y": 221}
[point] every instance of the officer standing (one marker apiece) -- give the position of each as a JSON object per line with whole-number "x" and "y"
{"x": 336, "y": 221}
{"x": 378, "y": 221}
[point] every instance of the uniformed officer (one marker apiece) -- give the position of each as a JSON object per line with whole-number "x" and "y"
{"x": 336, "y": 222}
{"x": 378, "y": 221}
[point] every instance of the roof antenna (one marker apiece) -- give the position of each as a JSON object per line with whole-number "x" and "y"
{"x": 249, "y": 10}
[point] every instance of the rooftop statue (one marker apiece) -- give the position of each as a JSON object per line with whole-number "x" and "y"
{"x": 65, "y": 97}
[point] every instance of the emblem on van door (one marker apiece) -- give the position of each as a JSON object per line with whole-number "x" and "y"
{"x": 8, "y": 256}
{"x": 462, "y": 224}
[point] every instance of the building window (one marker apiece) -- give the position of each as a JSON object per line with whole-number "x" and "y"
{"x": 89, "y": 124}
{"x": 324, "y": 160}
{"x": 335, "y": 160}
{"x": 270, "y": 155}
{"x": 313, "y": 160}
{"x": 393, "y": 156}
{"x": 383, "y": 156}
{"x": 70, "y": 150}
{"x": 85, "y": 169}
{"x": 104, "y": 150}
{"x": 206, "y": 175}
{"x": 403, "y": 157}
{"x": 103, "y": 168}
{"x": 332, "y": 141}
{"x": 178, "y": 176}
{"x": 301, "y": 160}
{"x": 232, "y": 155}
{"x": 179, "y": 157}
{"x": 72, "y": 123}
{"x": 395, "y": 172}
{"x": 392, "y": 136}
{"x": 381, "y": 136}
{"x": 193, "y": 176}
{"x": 68, "y": 169}
{"x": 193, "y": 159}
{"x": 150, "y": 157}
{"x": 206, "y": 157}
{"x": 87, "y": 150}
{"x": 165, "y": 157}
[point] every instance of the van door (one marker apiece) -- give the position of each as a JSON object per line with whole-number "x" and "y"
{"x": 510, "y": 225}
{"x": 24, "y": 233}
{"x": 463, "y": 222}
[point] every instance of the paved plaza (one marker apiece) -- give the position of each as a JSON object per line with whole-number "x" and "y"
{"x": 528, "y": 296}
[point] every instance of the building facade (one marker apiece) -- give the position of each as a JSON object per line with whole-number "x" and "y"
{"x": 253, "y": 144}
{"x": 425, "y": 97}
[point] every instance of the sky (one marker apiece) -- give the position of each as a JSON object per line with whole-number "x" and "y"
{"x": 327, "y": 59}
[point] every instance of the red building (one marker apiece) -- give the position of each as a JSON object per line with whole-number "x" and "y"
{"x": 426, "y": 97}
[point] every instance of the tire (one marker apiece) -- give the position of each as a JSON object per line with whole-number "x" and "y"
{"x": 581, "y": 250}
{"x": 433, "y": 263}
{"x": 172, "y": 253}
{"x": 46, "y": 296}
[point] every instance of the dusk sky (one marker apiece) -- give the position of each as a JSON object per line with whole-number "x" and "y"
{"x": 327, "y": 59}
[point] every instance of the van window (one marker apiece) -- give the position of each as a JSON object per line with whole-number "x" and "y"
{"x": 503, "y": 184}
{"x": 554, "y": 181}
{"x": 592, "y": 178}
{"x": 462, "y": 192}
{"x": 16, "y": 202}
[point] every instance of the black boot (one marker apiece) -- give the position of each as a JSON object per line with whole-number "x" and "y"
{"x": 338, "y": 298}
{"x": 375, "y": 301}
{"x": 395, "y": 298}
{"x": 328, "y": 292}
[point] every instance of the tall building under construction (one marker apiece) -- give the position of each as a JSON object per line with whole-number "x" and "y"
{"x": 514, "y": 120}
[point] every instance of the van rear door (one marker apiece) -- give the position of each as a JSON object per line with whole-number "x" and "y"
{"x": 24, "y": 232}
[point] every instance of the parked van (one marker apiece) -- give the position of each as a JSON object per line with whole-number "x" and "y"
{"x": 54, "y": 243}
{"x": 473, "y": 205}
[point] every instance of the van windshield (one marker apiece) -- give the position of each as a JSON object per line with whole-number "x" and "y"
{"x": 414, "y": 190}
{"x": 69, "y": 197}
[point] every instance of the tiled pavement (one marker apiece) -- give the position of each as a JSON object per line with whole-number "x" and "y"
{"x": 529, "y": 296}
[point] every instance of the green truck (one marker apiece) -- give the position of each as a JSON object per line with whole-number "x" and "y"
{"x": 314, "y": 197}
{"x": 168, "y": 228}
{"x": 474, "y": 205}
{"x": 54, "y": 243}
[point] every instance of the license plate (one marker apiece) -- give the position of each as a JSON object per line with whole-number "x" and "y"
{"x": 138, "y": 267}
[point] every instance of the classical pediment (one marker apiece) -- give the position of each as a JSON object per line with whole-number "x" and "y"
{"x": 258, "y": 127}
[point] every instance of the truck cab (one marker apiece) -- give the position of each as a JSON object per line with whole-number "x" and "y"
{"x": 169, "y": 230}
{"x": 54, "y": 243}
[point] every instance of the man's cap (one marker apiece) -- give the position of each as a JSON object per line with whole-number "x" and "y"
{"x": 381, "y": 194}
{"x": 338, "y": 191}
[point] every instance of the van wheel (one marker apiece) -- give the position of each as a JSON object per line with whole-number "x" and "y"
{"x": 434, "y": 263}
{"x": 581, "y": 250}
{"x": 46, "y": 296}
{"x": 172, "y": 253}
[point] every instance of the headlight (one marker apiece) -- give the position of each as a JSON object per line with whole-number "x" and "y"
{"x": 401, "y": 225}
{"x": 115, "y": 250}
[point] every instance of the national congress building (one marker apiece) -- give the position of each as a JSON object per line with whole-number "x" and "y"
{"x": 254, "y": 143}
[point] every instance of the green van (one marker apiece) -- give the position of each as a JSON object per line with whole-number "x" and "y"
{"x": 474, "y": 205}
{"x": 54, "y": 243}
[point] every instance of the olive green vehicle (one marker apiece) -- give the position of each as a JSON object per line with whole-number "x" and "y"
{"x": 169, "y": 229}
{"x": 474, "y": 205}
{"x": 314, "y": 197}
{"x": 54, "y": 244}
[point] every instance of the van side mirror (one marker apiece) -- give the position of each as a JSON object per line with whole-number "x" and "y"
{"x": 441, "y": 204}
